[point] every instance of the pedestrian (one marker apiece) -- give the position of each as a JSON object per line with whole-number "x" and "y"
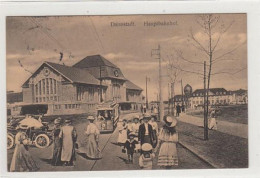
{"x": 147, "y": 156}
{"x": 183, "y": 108}
{"x": 144, "y": 108}
{"x": 122, "y": 135}
{"x": 22, "y": 160}
{"x": 68, "y": 135}
{"x": 178, "y": 110}
{"x": 154, "y": 125}
{"x": 212, "y": 123}
{"x": 168, "y": 137}
{"x": 92, "y": 149}
{"x": 129, "y": 126}
{"x": 130, "y": 146}
{"x": 56, "y": 152}
{"x": 135, "y": 126}
{"x": 145, "y": 134}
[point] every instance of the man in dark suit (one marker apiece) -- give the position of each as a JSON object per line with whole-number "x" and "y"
{"x": 178, "y": 109}
{"x": 145, "y": 134}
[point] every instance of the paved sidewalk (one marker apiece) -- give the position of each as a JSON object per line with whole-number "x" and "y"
{"x": 220, "y": 151}
{"x": 236, "y": 129}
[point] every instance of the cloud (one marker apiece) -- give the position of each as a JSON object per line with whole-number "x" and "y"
{"x": 119, "y": 55}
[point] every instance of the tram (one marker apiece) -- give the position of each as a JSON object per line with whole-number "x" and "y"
{"x": 107, "y": 118}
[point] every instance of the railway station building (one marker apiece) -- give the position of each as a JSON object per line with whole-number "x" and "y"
{"x": 79, "y": 88}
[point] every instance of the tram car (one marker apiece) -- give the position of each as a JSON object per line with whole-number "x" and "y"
{"x": 107, "y": 119}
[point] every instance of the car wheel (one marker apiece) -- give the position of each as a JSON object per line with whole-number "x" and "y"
{"x": 10, "y": 141}
{"x": 42, "y": 141}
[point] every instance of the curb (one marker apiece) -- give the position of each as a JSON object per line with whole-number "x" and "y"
{"x": 203, "y": 158}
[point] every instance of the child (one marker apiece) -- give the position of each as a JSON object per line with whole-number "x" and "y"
{"x": 130, "y": 146}
{"x": 147, "y": 156}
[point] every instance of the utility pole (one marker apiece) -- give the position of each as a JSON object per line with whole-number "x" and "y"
{"x": 169, "y": 98}
{"x": 172, "y": 96}
{"x": 100, "y": 84}
{"x": 146, "y": 97}
{"x": 157, "y": 53}
{"x": 181, "y": 93}
{"x": 205, "y": 112}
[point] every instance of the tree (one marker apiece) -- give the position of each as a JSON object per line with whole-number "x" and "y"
{"x": 213, "y": 29}
{"x": 172, "y": 72}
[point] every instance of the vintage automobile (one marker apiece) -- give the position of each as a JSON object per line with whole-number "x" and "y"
{"x": 107, "y": 118}
{"x": 37, "y": 132}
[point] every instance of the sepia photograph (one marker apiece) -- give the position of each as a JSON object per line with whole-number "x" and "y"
{"x": 127, "y": 92}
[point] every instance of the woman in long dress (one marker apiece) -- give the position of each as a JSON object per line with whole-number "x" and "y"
{"x": 68, "y": 135}
{"x": 22, "y": 160}
{"x": 92, "y": 150}
{"x": 168, "y": 137}
{"x": 56, "y": 153}
{"x": 212, "y": 123}
{"x": 122, "y": 135}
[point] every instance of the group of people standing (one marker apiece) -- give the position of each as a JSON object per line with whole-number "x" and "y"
{"x": 64, "y": 146}
{"x": 142, "y": 135}
{"x": 65, "y": 142}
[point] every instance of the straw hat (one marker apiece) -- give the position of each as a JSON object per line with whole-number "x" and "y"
{"x": 90, "y": 118}
{"x": 67, "y": 121}
{"x": 147, "y": 116}
{"x": 57, "y": 121}
{"x": 136, "y": 117}
{"x": 170, "y": 121}
{"x": 131, "y": 134}
{"x": 147, "y": 147}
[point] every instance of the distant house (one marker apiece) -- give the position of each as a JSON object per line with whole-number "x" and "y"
{"x": 79, "y": 88}
{"x": 217, "y": 96}
{"x": 239, "y": 96}
{"x": 179, "y": 99}
{"x": 13, "y": 97}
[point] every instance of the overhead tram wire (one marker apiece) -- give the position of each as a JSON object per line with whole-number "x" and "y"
{"x": 51, "y": 37}
{"x": 47, "y": 33}
{"x": 96, "y": 34}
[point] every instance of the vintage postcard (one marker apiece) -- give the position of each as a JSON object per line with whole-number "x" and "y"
{"x": 126, "y": 92}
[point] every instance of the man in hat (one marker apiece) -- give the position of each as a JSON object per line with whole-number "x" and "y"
{"x": 135, "y": 125}
{"x": 145, "y": 134}
{"x": 178, "y": 110}
{"x": 69, "y": 136}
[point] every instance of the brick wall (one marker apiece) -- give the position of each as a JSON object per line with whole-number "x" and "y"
{"x": 28, "y": 95}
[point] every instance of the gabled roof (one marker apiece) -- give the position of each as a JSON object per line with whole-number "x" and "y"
{"x": 74, "y": 74}
{"x": 100, "y": 67}
{"x": 131, "y": 86}
{"x": 94, "y": 61}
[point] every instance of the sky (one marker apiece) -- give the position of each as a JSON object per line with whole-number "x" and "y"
{"x": 33, "y": 40}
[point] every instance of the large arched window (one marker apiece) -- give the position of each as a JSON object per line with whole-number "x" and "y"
{"x": 46, "y": 90}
